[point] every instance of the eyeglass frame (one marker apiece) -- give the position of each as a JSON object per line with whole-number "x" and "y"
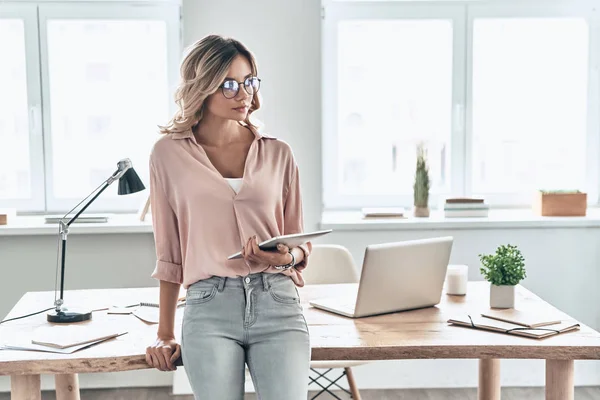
{"x": 240, "y": 84}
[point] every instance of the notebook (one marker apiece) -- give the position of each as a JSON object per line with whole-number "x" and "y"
{"x": 83, "y": 218}
{"x": 121, "y": 309}
{"x": 493, "y": 325}
{"x": 383, "y": 212}
{"x": 63, "y": 336}
{"x": 523, "y": 318}
{"x": 147, "y": 312}
{"x": 180, "y": 303}
{"x": 149, "y": 315}
{"x": 26, "y": 345}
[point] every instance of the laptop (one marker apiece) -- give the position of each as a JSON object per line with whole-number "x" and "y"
{"x": 396, "y": 277}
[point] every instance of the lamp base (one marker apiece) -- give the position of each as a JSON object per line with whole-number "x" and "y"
{"x": 68, "y": 315}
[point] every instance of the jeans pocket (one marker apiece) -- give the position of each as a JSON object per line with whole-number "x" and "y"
{"x": 284, "y": 292}
{"x": 200, "y": 295}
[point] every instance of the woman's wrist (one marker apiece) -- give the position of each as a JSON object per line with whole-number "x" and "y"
{"x": 165, "y": 335}
{"x": 289, "y": 264}
{"x": 299, "y": 254}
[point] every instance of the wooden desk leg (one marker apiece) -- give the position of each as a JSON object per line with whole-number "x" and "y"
{"x": 67, "y": 386}
{"x": 489, "y": 379}
{"x": 352, "y": 384}
{"x": 25, "y": 387}
{"x": 559, "y": 380}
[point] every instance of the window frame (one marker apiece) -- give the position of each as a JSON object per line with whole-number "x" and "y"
{"x": 28, "y": 14}
{"x": 465, "y": 13}
{"x": 168, "y": 12}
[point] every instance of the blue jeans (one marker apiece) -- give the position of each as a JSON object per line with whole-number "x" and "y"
{"x": 255, "y": 320}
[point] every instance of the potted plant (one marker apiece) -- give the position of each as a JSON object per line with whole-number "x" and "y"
{"x": 504, "y": 269}
{"x": 422, "y": 184}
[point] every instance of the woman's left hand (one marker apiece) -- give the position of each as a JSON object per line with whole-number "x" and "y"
{"x": 253, "y": 254}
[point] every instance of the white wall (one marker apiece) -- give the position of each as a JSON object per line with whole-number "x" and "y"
{"x": 285, "y": 36}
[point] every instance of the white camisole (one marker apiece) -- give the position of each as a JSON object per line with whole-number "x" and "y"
{"x": 235, "y": 183}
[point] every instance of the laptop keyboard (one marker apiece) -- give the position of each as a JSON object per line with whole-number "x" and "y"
{"x": 343, "y": 304}
{"x": 348, "y": 306}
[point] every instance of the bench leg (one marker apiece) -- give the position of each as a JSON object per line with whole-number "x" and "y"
{"x": 67, "y": 386}
{"x": 489, "y": 379}
{"x": 559, "y": 380}
{"x": 25, "y": 387}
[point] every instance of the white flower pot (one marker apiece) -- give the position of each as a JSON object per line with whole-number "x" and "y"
{"x": 502, "y": 296}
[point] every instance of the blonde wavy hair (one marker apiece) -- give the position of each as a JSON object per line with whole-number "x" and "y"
{"x": 203, "y": 70}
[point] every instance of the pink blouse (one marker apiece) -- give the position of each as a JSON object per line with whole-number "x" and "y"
{"x": 198, "y": 218}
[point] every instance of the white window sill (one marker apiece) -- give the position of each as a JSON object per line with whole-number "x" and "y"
{"x": 117, "y": 223}
{"x": 497, "y": 219}
{"x": 336, "y": 220}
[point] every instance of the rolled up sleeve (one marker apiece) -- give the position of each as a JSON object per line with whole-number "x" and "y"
{"x": 166, "y": 233}
{"x": 293, "y": 216}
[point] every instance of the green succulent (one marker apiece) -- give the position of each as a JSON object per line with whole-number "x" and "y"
{"x": 422, "y": 182}
{"x": 505, "y": 267}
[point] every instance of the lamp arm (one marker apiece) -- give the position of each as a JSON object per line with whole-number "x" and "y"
{"x": 68, "y": 223}
{"x": 64, "y": 228}
{"x": 116, "y": 175}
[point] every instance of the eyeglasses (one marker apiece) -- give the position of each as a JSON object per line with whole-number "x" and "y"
{"x": 231, "y": 87}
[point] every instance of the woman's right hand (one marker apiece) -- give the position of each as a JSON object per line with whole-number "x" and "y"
{"x": 163, "y": 353}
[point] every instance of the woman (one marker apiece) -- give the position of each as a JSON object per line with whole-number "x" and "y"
{"x": 219, "y": 186}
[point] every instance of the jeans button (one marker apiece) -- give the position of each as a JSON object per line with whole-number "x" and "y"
{"x": 247, "y": 280}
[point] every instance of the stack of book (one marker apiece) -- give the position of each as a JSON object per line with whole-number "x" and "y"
{"x": 465, "y": 207}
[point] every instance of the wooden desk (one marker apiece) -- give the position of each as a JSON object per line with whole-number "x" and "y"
{"x": 409, "y": 335}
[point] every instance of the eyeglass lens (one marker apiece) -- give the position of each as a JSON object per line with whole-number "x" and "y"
{"x": 232, "y": 87}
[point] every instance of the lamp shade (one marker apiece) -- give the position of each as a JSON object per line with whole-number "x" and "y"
{"x": 130, "y": 183}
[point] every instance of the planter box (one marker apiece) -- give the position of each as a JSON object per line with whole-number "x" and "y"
{"x": 6, "y": 215}
{"x": 502, "y": 296}
{"x": 560, "y": 204}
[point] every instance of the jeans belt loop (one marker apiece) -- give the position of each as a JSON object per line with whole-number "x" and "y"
{"x": 221, "y": 285}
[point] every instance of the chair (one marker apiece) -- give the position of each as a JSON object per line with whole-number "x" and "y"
{"x": 331, "y": 264}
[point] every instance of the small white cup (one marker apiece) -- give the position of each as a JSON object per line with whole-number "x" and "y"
{"x": 457, "y": 277}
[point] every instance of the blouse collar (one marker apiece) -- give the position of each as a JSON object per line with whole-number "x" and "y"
{"x": 189, "y": 134}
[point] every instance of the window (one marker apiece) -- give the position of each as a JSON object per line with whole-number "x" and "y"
{"x": 501, "y": 96}
{"x": 530, "y": 85}
{"x": 21, "y": 168}
{"x": 393, "y": 111}
{"x": 105, "y": 74}
{"x": 14, "y": 125}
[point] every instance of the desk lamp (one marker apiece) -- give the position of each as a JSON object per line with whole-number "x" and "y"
{"x": 129, "y": 182}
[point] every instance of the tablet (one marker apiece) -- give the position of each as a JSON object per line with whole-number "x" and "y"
{"x": 292, "y": 240}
